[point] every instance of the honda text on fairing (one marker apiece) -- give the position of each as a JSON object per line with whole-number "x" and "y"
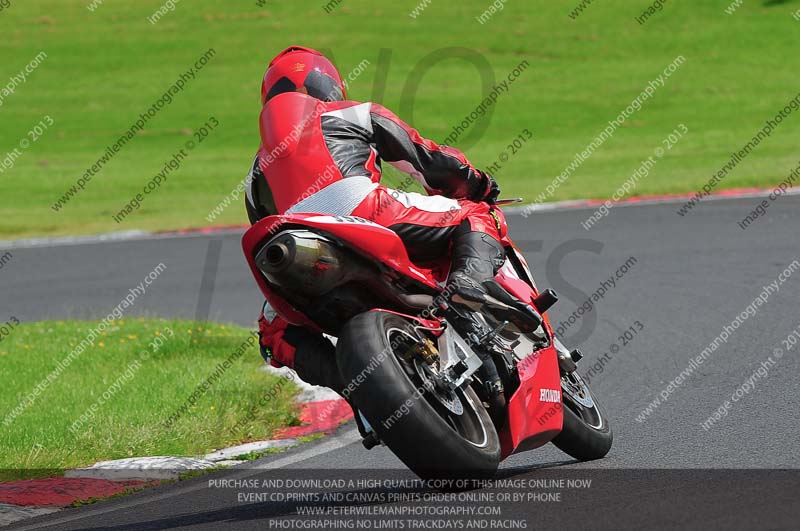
{"x": 450, "y": 391}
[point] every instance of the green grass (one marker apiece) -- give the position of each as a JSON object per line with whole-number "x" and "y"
{"x": 132, "y": 420}
{"x": 106, "y": 67}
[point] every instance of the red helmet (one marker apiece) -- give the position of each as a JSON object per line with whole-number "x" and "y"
{"x": 299, "y": 69}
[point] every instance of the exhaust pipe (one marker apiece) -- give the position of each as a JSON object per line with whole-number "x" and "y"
{"x": 302, "y": 261}
{"x": 276, "y": 258}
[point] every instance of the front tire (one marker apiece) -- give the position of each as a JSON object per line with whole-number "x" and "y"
{"x": 425, "y": 431}
{"x": 586, "y": 434}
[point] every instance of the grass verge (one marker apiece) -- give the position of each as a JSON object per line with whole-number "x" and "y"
{"x": 105, "y": 67}
{"x": 116, "y": 399}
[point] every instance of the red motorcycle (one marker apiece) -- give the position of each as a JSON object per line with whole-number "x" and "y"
{"x": 451, "y": 393}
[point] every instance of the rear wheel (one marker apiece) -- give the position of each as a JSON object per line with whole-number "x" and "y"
{"x": 586, "y": 434}
{"x": 435, "y": 432}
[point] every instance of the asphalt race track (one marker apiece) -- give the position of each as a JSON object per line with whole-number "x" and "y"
{"x": 690, "y": 278}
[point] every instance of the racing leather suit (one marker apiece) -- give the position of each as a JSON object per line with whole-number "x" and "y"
{"x": 326, "y": 157}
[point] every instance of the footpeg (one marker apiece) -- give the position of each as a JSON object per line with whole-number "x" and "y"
{"x": 369, "y": 438}
{"x": 370, "y": 441}
{"x": 497, "y": 402}
{"x": 494, "y": 388}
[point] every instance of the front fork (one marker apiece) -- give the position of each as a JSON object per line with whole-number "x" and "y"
{"x": 567, "y": 360}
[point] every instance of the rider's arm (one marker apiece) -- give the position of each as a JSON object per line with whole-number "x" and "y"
{"x": 440, "y": 169}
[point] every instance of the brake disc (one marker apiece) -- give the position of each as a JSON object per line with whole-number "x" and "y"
{"x": 452, "y": 402}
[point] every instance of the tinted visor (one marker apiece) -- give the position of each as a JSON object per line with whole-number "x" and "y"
{"x": 316, "y": 84}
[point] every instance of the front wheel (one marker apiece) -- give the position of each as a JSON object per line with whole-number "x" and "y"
{"x": 435, "y": 433}
{"x": 586, "y": 434}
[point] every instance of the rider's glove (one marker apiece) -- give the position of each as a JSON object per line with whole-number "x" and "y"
{"x": 488, "y": 192}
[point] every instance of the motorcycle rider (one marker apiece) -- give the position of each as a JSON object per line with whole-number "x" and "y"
{"x": 321, "y": 153}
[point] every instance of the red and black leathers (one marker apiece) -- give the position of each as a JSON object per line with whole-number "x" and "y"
{"x": 326, "y": 157}
{"x": 308, "y": 144}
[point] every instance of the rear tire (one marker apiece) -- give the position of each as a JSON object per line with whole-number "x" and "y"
{"x": 429, "y": 438}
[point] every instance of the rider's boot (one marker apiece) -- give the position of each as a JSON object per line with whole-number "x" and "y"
{"x": 476, "y": 259}
{"x": 315, "y": 362}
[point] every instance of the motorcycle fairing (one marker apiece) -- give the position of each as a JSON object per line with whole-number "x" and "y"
{"x": 534, "y": 417}
{"x": 367, "y": 237}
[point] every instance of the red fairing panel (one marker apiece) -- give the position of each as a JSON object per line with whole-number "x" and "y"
{"x": 254, "y": 235}
{"x": 362, "y": 235}
{"x": 370, "y": 238}
{"x": 534, "y": 411}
